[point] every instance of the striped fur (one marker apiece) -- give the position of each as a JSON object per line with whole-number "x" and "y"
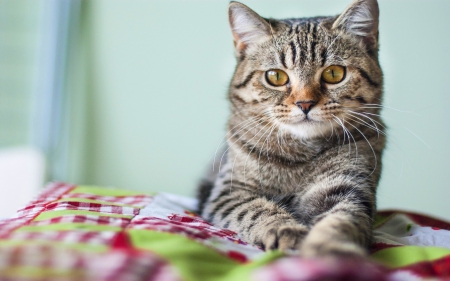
{"x": 294, "y": 181}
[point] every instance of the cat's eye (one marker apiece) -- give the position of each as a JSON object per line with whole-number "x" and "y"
{"x": 333, "y": 74}
{"x": 277, "y": 77}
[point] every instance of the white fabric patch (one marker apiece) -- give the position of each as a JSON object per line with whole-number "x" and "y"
{"x": 401, "y": 230}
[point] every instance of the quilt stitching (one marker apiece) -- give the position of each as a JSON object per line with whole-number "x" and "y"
{"x": 86, "y": 219}
{"x": 92, "y": 207}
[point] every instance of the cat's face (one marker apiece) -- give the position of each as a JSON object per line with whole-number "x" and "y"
{"x": 307, "y": 76}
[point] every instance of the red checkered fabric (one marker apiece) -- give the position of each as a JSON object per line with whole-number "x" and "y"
{"x": 92, "y": 207}
{"x": 137, "y": 200}
{"x": 31, "y": 210}
{"x": 69, "y": 236}
{"x": 8, "y": 225}
{"x": 52, "y": 192}
{"x": 24, "y": 215}
{"x": 60, "y": 263}
{"x": 193, "y": 227}
{"x": 298, "y": 269}
{"x": 85, "y": 219}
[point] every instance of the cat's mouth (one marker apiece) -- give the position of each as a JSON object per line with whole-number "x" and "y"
{"x": 305, "y": 120}
{"x": 308, "y": 119}
{"x": 307, "y": 127}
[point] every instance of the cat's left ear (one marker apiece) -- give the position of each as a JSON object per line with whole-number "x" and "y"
{"x": 361, "y": 19}
{"x": 247, "y": 26}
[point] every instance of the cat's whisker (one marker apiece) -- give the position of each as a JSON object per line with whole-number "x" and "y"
{"x": 349, "y": 134}
{"x": 374, "y": 122}
{"x": 278, "y": 141}
{"x": 283, "y": 137}
{"x": 339, "y": 122}
{"x": 356, "y": 146}
{"x": 245, "y": 164}
{"x": 244, "y": 127}
{"x": 267, "y": 138}
{"x": 248, "y": 155}
{"x": 336, "y": 131}
{"x": 332, "y": 130}
{"x": 259, "y": 121}
{"x": 367, "y": 125}
{"x": 363, "y": 114}
{"x": 391, "y": 140}
{"x": 379, "y": 106}
{"x": 418, "y": 138}
{"x": 337, "y": 134}
{"x": 375, "y": 128}
{"x": 368, "y": 142}
{"x": 260, "y": 151}
{"x": 415, "y": 135}
{"x": 343, "y": 128}
{"x": 320, "y": 131}
{"x": 224, "y": 140}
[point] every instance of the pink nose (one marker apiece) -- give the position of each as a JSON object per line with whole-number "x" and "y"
{"x": 305, "y": 106}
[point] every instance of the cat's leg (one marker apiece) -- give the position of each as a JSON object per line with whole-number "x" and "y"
{"x": 337, "y": 234}
{"x": 259, "y": 220}
{"x": 341, "y": 219}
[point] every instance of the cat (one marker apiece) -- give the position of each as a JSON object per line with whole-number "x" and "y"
{"x": 305, "y": 138}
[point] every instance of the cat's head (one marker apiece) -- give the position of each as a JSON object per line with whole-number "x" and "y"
{"x": 309, "y": 75}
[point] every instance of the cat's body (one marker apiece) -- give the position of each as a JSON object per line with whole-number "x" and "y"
{"x": 292, "y": 177}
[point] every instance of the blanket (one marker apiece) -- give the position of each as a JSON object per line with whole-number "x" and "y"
{"x": 71, "y": 232}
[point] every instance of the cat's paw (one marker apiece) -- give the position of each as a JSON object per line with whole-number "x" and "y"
{"x": 332, "y": 249}
{"x": 284, "y": 238}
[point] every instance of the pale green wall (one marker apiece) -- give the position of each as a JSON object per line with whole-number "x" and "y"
{"x": 158, "y": 73}
{"x": 19, "y": 39}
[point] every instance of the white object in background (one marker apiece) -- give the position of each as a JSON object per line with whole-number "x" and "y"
{"x": 22, "y": 172}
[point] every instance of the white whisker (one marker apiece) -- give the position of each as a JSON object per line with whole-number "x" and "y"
{"x": 373, "y": 151}
{"x": 259, "y": 121}
{"x": 224, "y": 140}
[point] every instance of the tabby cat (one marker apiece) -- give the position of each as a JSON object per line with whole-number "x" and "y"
{"x": 305, "y": 137}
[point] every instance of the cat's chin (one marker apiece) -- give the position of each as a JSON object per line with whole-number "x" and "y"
{"x": 308, "y": 129}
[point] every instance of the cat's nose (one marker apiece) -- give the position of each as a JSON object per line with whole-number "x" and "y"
{"x": 305, "y": 106}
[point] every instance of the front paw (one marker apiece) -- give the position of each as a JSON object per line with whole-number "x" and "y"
{"x": 284, "y": 238}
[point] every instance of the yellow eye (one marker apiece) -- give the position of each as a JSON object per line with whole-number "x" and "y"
{"x": 277, "y": 77}
{"x": 333, "y": 74}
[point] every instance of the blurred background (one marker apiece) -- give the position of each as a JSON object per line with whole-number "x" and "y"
{"x": 132, "y": 94}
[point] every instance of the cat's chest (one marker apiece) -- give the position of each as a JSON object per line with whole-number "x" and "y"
{"x": 285, "y": 178}
{"x": 271, "y": 177}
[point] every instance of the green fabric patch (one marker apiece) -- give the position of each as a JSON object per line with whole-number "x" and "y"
{"x": 244, "y": 271}
{"x": 41, "y": 273}
{"x": 54, "y": 214}
{"x": 408, "y": 227}
{"x": 69, "y": 226}
{"x": 406, "y": 255}
{"x": 104, "y": 191}
{"x": 380, "y": 220}
{"x": 195, "y": 261}
{"x": 76, "y": 246}
{"x": 96, "y": 201}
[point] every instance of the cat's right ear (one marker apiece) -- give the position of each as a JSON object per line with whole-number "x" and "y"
{"x": 361, "y": 19}
{"x": 247, "y": 26}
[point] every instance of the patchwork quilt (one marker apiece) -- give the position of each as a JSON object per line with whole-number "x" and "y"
{"x": 72, "y": 232}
